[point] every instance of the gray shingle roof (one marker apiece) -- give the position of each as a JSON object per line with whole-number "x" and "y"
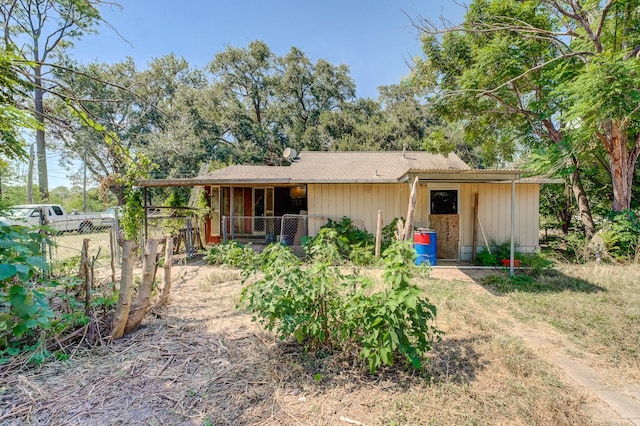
{"x": 340, "y": 167}
{"x": 347, "y": 167}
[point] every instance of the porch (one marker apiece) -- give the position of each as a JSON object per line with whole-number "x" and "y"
{"x": 289, "y": 229}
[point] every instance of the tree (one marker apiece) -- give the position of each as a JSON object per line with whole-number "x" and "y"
{"x": 40, "y": 29}
{"x": 522, "y": 74}
{"x": 12, "y": 117}
{"x": 104, "y": 106}
{"x": 306, "y": 90}
{"x": 268, "y": 102}
{"x": 151, "y": 111}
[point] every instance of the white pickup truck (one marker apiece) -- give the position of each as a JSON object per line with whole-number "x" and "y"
{"x": 52, "y": 215}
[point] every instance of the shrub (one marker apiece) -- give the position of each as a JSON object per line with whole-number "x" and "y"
{"x": 328, "y": 246}
{"x": 24, "y": 305}
{"x": 622, "y": 234}
{"x": 389, "y": 233}
{"x": 498, "y": 252}
{"x": 363, "y": 255}
{"x": 347, "y": 237}
{"x": 231, "y": 253}
{"x": 395, "y": 321}
{"x": 323, "y": 308}
{"x": 487, "y": 258}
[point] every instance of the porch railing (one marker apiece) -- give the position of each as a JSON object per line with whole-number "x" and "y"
{"x": 289, "y": 228}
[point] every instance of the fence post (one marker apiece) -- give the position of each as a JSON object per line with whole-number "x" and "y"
{"x": 378, "y": 234}
{"x": 189, "y": 239}
{"x": 224, "y": 228}
{"x": 166, "y": 278}
{"x": 85, "y": 275}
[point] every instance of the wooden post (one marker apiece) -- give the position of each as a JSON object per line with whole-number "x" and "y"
{"x": 142, "y": 302}
{"x": 112, "y": 251}
{"x": 166, "y": 279}
{"x": 85, "y": 274}
{"x": 379, "y": 234}
{"x": 408, "y": 226}
{"x": 126, "y": 285}
{"x": 474, "y": 247}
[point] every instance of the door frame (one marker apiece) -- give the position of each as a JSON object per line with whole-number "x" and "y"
{"x": 447, "y": 187}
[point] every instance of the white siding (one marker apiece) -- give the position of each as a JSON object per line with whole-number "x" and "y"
{"x": 494, "y": 214}
{"x": 360, "y": 202}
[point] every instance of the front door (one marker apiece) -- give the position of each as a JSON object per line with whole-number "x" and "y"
{"x": 445, "y": 220}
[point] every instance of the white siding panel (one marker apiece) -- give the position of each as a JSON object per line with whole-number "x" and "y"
{"x": 494, "y": 214}
{"x": 359, "y": 202}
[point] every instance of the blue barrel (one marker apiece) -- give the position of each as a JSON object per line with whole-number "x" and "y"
{"x": 427, "y": 252}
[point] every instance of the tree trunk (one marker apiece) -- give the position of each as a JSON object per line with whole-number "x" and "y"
{"x": 41, "y": 148}
{"x": 408, "y": 226}
{"x": 581, "y": 199}
{"x": 622, "y": 161}
{"x": 142, "y": 303}
{"x": 30, "y": 176}
{"x": 576, "y": 182}
{"x": 126, "y": 285}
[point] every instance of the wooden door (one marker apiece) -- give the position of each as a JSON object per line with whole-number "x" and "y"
{"x": 447, "y": 227}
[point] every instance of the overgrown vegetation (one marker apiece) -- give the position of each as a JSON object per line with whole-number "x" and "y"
{"x": 35, "y": 307}
{"x": 617, "y": 241}
{"x": 496, "y": 253}
{"x": 346, "y": 242}
{"x": 231, "y": 253}
{"x": 325, "y": 309}
{"x": 24, "y": 309}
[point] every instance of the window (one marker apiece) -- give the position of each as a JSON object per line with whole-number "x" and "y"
{"x": 57, "y": 210}
{"x": 444, "y": 201}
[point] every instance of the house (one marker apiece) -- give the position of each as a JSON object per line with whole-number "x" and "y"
{"x": 468, "y": 208}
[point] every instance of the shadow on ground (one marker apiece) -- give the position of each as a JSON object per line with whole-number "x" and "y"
{"x": 546, "y": 281}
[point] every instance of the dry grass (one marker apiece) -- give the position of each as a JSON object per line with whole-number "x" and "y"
{"x": 597, "y": 306}
{"x": 200, "y": 361}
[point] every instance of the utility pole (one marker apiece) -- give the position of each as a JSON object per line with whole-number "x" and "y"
{"x": 84, "y": 185}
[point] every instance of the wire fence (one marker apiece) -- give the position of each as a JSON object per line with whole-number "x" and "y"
{"x": 66, "y": 249}
{"x": 289, "y": 229}
{"x": 184, "y": 226}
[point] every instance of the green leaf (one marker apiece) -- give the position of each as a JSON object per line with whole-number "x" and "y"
{"x": 7, "y": 271}
{"x": 37, "y": 262}
{"x": 23, "y": 271}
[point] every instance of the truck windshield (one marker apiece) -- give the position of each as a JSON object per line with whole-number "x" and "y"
{"x": 19, "y": 211}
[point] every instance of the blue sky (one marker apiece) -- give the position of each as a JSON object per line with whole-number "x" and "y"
{"x": 374, "y": 38}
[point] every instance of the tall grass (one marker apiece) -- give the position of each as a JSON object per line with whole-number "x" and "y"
{"x": 597, "y": 306}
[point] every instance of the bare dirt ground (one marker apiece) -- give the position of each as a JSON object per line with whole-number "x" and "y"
{"x": 200, "y": 361}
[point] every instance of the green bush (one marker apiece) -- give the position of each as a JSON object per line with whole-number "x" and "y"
{"x": 24, "y": 305}
{"x": 323, "y": 308}
{"x": 486, "y": 258}
{"x": 389, "y": 233}
{"x": 498, "y": 252}
{"x": 363, "y": 255}
{"x": 231, "y": 253}
{"x": 328, "y": 246}
{"x": 622, "y": 234}
{"x": 396, "y": 321}
{"x": 347, "y": 237}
